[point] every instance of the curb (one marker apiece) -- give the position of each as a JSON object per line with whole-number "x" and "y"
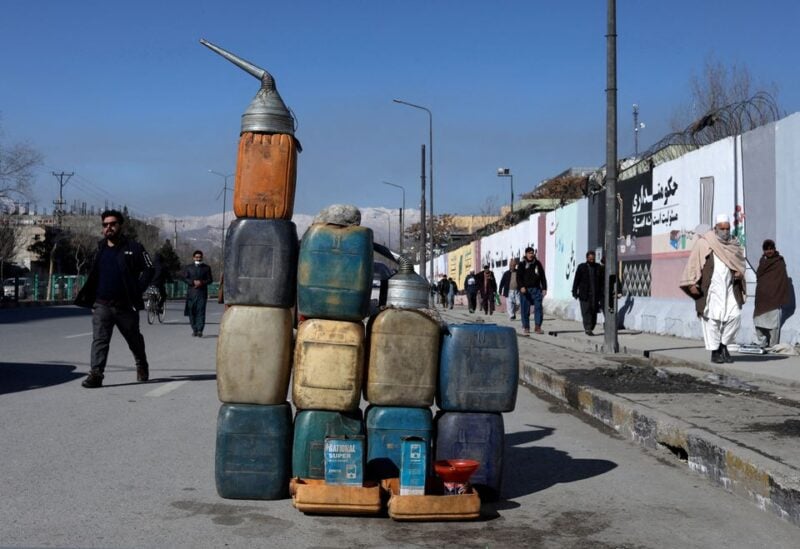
{"x": 772, "y": 486}
{"x": 661, "y": 357}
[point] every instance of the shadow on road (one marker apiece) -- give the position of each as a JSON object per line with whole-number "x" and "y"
{"x": 18, "y": 376}
{"x": 197, "y": 377}
{"x": 32, "y": 314}
{"x": 535, "y": 468}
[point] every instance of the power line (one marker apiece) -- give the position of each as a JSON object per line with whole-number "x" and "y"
{"x": 60, "y": 202}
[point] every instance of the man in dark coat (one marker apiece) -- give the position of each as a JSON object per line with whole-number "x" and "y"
{"x": 772, "y": 293}
{"x": 120, "y": 274}
{"x": 471, "y": 289}
{"x": 198, "y": 277}
{"x": 588, "y": 289}
{"x": 487, "y": 288}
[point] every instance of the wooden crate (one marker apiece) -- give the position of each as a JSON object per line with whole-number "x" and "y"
{"x": 314, "y": 496}
{"x": 433, "y": 507}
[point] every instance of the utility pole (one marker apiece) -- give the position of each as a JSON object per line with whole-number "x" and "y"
{"x": 59, "y": 211}
{"x": 611, "y": 344}
{"x": 175, "y": 225}
{"x": 422, "y": 229}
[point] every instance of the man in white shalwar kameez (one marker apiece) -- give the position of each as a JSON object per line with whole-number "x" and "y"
{"x": 714, "y": 278}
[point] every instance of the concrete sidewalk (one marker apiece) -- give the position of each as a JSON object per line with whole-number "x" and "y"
{"x": 736, "y": 424}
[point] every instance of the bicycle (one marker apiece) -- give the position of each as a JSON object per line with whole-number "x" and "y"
{"x": 151, "y": 305}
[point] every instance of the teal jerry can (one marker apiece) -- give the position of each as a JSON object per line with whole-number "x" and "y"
{"x": 334, "y": 272}
{"x": 253, "y": 451}
{"x": 310, "y": 429}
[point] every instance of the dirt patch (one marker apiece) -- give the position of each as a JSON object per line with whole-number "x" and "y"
{"x": 789, "y": 428}
{"x": 630, "y": 378}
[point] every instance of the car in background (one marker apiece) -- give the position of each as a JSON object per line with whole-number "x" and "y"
{"x": 23, "y": 287}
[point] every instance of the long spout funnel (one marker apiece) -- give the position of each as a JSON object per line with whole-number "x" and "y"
{"x": 267, "y": 113}
{"x": 247, "y": 66}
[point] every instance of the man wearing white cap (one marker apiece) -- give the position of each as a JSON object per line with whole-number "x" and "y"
{"x": 714, "y": 278}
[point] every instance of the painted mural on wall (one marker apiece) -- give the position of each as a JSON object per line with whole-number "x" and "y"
{"x": 566, "y": 251}
{"x": 460, "y": 262}
{"x": 637, "y": 205}
{"x": 636, "y": 278}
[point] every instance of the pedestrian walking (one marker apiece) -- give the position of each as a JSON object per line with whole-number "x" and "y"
{"x": 452, "y": 290}
{"x": 442, "y": 287}
{"x": 714, "y": 278}
{"x": 587, "y": 288}
{"x": 198, "y": 276}
{"x": 121, "y": 272}
{"x": 487, "y": 288}
{"x": 471, "y": 289}
{"x": 772, "y": 293}
{"x": 510, "y": 290}
{"x": 532, "y": 284}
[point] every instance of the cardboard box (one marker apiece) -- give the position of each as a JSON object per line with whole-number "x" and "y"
{"x": 344, "y": 460}
{"x": 413, "y": 466}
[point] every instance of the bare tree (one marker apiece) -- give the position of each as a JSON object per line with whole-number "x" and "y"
{"x": 490, "y": 206}
{"x": 725, "y": 100}
{"x": 17, "y": 162}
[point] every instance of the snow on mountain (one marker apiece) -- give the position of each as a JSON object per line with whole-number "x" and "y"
{"x": 204, "y": 231}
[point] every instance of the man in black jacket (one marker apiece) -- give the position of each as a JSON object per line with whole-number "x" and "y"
{"x": 119, "y": 276}
{"x": 588, "y": 289}
{"x": 532, "y": 284}
{"x": 198, "y": 277}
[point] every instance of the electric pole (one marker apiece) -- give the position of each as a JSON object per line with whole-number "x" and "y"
{"x": 611, "y": 344}
{"x": 175, "y": 225}
{"x": 60, "y": 202}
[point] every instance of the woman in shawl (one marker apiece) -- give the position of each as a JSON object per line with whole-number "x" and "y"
{"x": 772, "y": 293}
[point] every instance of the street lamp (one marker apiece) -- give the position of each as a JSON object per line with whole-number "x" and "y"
{"x": 224, "y": 193}
{"x": 506, "y": 172}
{"x": 402, "y": 210}
{"x": 430, "y": 169}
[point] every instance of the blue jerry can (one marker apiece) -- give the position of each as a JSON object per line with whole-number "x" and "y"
{"x": 253, "y": 451}
{"x": 310, "y": 429}
{"x": 334, "y": 272}
{"x": 478, "y": 369}
{"x": 387, "y": 426}
{"x": 478, "y": 436}
{"x": 261, "y": 263}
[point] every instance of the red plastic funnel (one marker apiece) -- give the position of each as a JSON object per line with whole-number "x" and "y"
{"x": 455, "y": 470}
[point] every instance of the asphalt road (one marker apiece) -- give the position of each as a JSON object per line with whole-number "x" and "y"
{"x": 132, "y": 465}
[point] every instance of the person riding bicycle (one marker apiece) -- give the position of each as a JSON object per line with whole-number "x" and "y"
{"x": 160, "y": 278}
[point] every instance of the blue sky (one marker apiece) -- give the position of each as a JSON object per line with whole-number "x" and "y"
{"x": 123, "y": 94}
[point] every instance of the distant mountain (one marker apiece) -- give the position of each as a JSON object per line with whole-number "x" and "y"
{"x": 205, "y": 231}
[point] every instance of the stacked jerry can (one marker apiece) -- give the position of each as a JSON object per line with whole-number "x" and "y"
{"x": 334, "y": 280}
{"x": 478, "y": 378}
{"x": 402, "y": 368}
{"x": 254, "y": 350}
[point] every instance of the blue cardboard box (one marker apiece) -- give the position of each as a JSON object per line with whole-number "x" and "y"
{"x": 344, "y": 460}
{"x": 413, "y": 466}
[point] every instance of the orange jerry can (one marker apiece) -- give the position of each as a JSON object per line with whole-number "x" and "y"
{"x": 266, "y": 174}
{"x": 266, "y": 165}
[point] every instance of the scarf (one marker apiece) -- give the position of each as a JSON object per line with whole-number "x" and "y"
{"x": 730, "y": 253}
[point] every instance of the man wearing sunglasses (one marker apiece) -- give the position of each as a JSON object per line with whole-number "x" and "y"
{"x": 120, "y": 274}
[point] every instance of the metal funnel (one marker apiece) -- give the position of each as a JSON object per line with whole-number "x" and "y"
{"x": 267, "y": 113}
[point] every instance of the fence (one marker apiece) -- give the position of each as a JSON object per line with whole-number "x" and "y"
{"x": 66, "y": 287}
